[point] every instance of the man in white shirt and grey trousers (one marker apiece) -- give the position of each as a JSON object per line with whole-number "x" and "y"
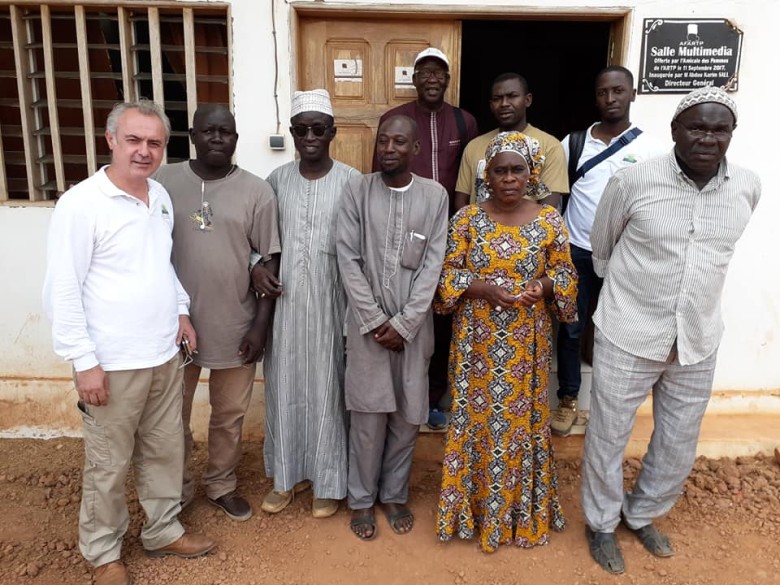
{"x": 118, "y": 312}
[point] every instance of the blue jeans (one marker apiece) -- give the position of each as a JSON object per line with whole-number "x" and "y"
{"x": 570, "y": 334}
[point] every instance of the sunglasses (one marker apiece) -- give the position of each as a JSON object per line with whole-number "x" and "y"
{"x": 301, "y": 131}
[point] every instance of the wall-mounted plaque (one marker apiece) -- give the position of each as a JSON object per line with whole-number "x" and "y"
{"x": 680, "y": 54}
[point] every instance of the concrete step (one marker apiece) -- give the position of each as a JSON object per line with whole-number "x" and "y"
{"x": 721, "y": 436}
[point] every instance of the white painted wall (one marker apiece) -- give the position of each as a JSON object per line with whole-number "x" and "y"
{"x": 35, "y": 388}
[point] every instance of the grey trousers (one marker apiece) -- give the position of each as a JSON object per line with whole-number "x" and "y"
{"x": 621, "y": 382}
{"x": 380, "y": 458}
{"x": 140, "y": 426}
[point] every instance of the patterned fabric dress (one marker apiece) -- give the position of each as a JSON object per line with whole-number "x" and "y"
{"x": 499, "y": 471}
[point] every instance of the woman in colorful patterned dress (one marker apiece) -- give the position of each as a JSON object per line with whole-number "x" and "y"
{"x": 506, "y": 273}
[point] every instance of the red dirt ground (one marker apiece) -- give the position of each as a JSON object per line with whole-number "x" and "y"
{"x": 725, "y": 528}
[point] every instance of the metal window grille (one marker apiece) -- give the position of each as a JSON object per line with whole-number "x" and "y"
{"x": 63, "y": 66}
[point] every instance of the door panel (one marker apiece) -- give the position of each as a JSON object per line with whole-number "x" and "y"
{"x": 367, "y": 65}
{"x": 353, "y": 145}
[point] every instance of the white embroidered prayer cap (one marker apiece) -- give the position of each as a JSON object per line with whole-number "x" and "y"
{"x": 316, "y": 100}
{"x": 703, "y": 95}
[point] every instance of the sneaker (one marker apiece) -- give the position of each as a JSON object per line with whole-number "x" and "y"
{"x": 437, "y": 421}
{"x": 112, "y": 574}
{"x": 564, "y": 416}
{"x": 188, "y": 546}
{"x": 236, "y": 507}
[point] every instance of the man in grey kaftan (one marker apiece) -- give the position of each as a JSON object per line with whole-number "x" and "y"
{"x": 390, "y": 243}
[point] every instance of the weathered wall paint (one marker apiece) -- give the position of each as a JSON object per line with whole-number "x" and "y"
{"x": 36, "y": 391}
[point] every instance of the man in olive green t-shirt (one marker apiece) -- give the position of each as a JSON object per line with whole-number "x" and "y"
{"x": 222, "y": 214}
{"x": 509, "y": 100}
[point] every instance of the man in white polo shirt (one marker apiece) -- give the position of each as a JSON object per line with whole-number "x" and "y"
{"x": 594, "y": 155}
{"x": 118, "y": 312}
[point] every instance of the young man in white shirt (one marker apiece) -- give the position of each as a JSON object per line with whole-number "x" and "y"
{"x": 611, "y": 144}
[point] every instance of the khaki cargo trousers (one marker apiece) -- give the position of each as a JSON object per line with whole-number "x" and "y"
{"x": 140, "y": 425}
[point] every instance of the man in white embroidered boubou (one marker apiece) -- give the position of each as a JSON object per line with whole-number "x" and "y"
{"x": 305, "y": 419}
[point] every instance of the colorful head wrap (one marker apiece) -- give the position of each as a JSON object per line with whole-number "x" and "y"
{"x": 530, "y": 150}
{"x": 703, "y": 95}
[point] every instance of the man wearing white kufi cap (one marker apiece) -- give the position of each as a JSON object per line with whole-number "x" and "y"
{"x": 662, "y": 240}
{"x": 316, "y": 100}
{"x": 305, "y": 442}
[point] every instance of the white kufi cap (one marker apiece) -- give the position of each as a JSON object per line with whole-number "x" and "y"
{"x": 706, "y": 95}
{"x": 316, "y": 100}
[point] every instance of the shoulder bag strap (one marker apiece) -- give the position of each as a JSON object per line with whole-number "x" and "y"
{"x": 624, "y": 140}
{"x": 576, "y": 144}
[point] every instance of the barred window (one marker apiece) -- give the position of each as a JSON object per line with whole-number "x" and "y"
{"x": 63, "y": 67}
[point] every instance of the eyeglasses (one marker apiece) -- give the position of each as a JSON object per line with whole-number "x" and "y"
{"x": 301, "y": 130}
{"x": 186, "y": 353}
{"x": 699, "y": 133}
{"x": 426, "y": 74}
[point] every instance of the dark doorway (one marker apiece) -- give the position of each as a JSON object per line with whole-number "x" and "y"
{"x": 559, "y": 59}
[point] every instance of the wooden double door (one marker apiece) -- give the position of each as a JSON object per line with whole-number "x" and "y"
{"x": 367, "y": 67}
